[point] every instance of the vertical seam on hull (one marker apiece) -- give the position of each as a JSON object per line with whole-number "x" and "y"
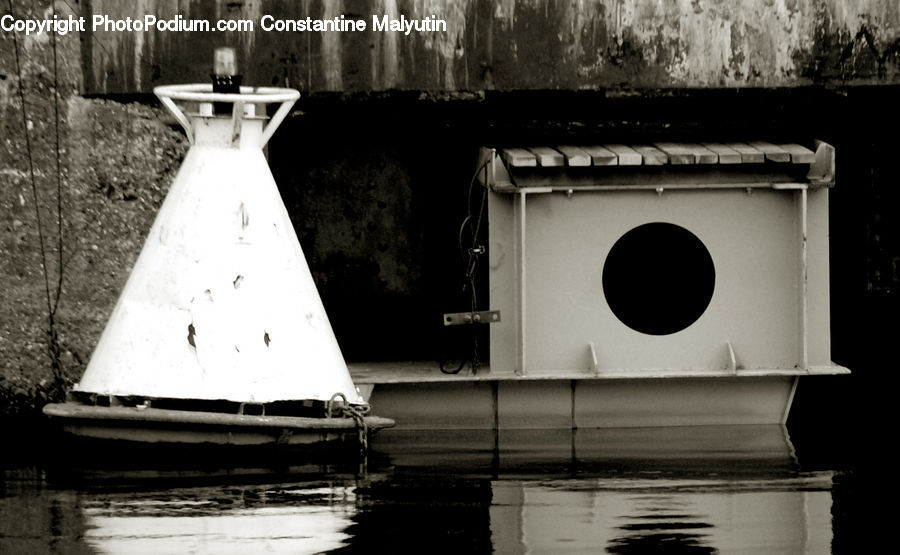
{"x": 572, "y": 403}
{"x": 495, "y": 399}
{"x": 790, "y": 400}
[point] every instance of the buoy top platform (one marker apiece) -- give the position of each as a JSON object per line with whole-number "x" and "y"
{"x": 221, "y": 304}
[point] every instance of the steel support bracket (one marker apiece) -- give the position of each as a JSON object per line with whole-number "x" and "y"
{"x": 462, "y": 318}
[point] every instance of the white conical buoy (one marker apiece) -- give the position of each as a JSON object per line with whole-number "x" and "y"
{"x": 221, "y": 304}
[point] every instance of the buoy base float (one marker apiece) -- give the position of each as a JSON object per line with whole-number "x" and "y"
{"x": 168, "y": 426}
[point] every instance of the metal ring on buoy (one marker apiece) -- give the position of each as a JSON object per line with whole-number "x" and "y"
{"x": 330, "y": 405}
{"x": 203, "y": 92}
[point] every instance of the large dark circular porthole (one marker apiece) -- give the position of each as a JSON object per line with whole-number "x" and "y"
{"x": 658, "y": 278}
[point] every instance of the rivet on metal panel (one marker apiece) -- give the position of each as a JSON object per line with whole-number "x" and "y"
{"x": 659, "y": 191}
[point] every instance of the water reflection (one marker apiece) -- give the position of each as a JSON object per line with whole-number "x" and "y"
{"x": 647, "y": 517}
{"x": 295, "y": 519}
{"x": 683, "y": 490}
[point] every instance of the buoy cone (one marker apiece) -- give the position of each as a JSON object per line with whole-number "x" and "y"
{"x": 221, "y": 304}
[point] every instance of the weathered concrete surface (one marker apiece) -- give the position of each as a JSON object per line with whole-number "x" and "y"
{"x": 514, "y": 44}
{"x": 115, "y": 164}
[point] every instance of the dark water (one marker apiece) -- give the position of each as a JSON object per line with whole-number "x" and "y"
{"x": 679, "y": 490}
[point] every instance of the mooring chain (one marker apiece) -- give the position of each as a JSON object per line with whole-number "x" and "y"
{"x": 358, "y": 415}
{"x": 361, "y": 431}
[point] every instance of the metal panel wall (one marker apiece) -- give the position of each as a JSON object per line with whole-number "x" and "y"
{"x": 754, "y": 241}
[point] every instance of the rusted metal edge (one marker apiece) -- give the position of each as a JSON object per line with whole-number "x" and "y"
{"x": 133, "y": 414}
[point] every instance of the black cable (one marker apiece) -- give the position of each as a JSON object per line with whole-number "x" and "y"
{"x": 37, "y": 212}
{"x": 469, "y": 257}
{"x": 59, "y": 216}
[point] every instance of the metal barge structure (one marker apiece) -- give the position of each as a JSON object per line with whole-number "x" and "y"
{"x": 219, "y": 335}
{"x": 646, "y": 285}
{"x": 630, "y": 286}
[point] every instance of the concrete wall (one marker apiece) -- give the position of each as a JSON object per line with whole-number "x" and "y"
{"x": 514, "y": 44}
{"x": 115, "y": 163}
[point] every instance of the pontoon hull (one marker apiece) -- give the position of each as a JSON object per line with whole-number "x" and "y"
{"x": 163, "y": 426}
{"x": 585, "y": 403}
